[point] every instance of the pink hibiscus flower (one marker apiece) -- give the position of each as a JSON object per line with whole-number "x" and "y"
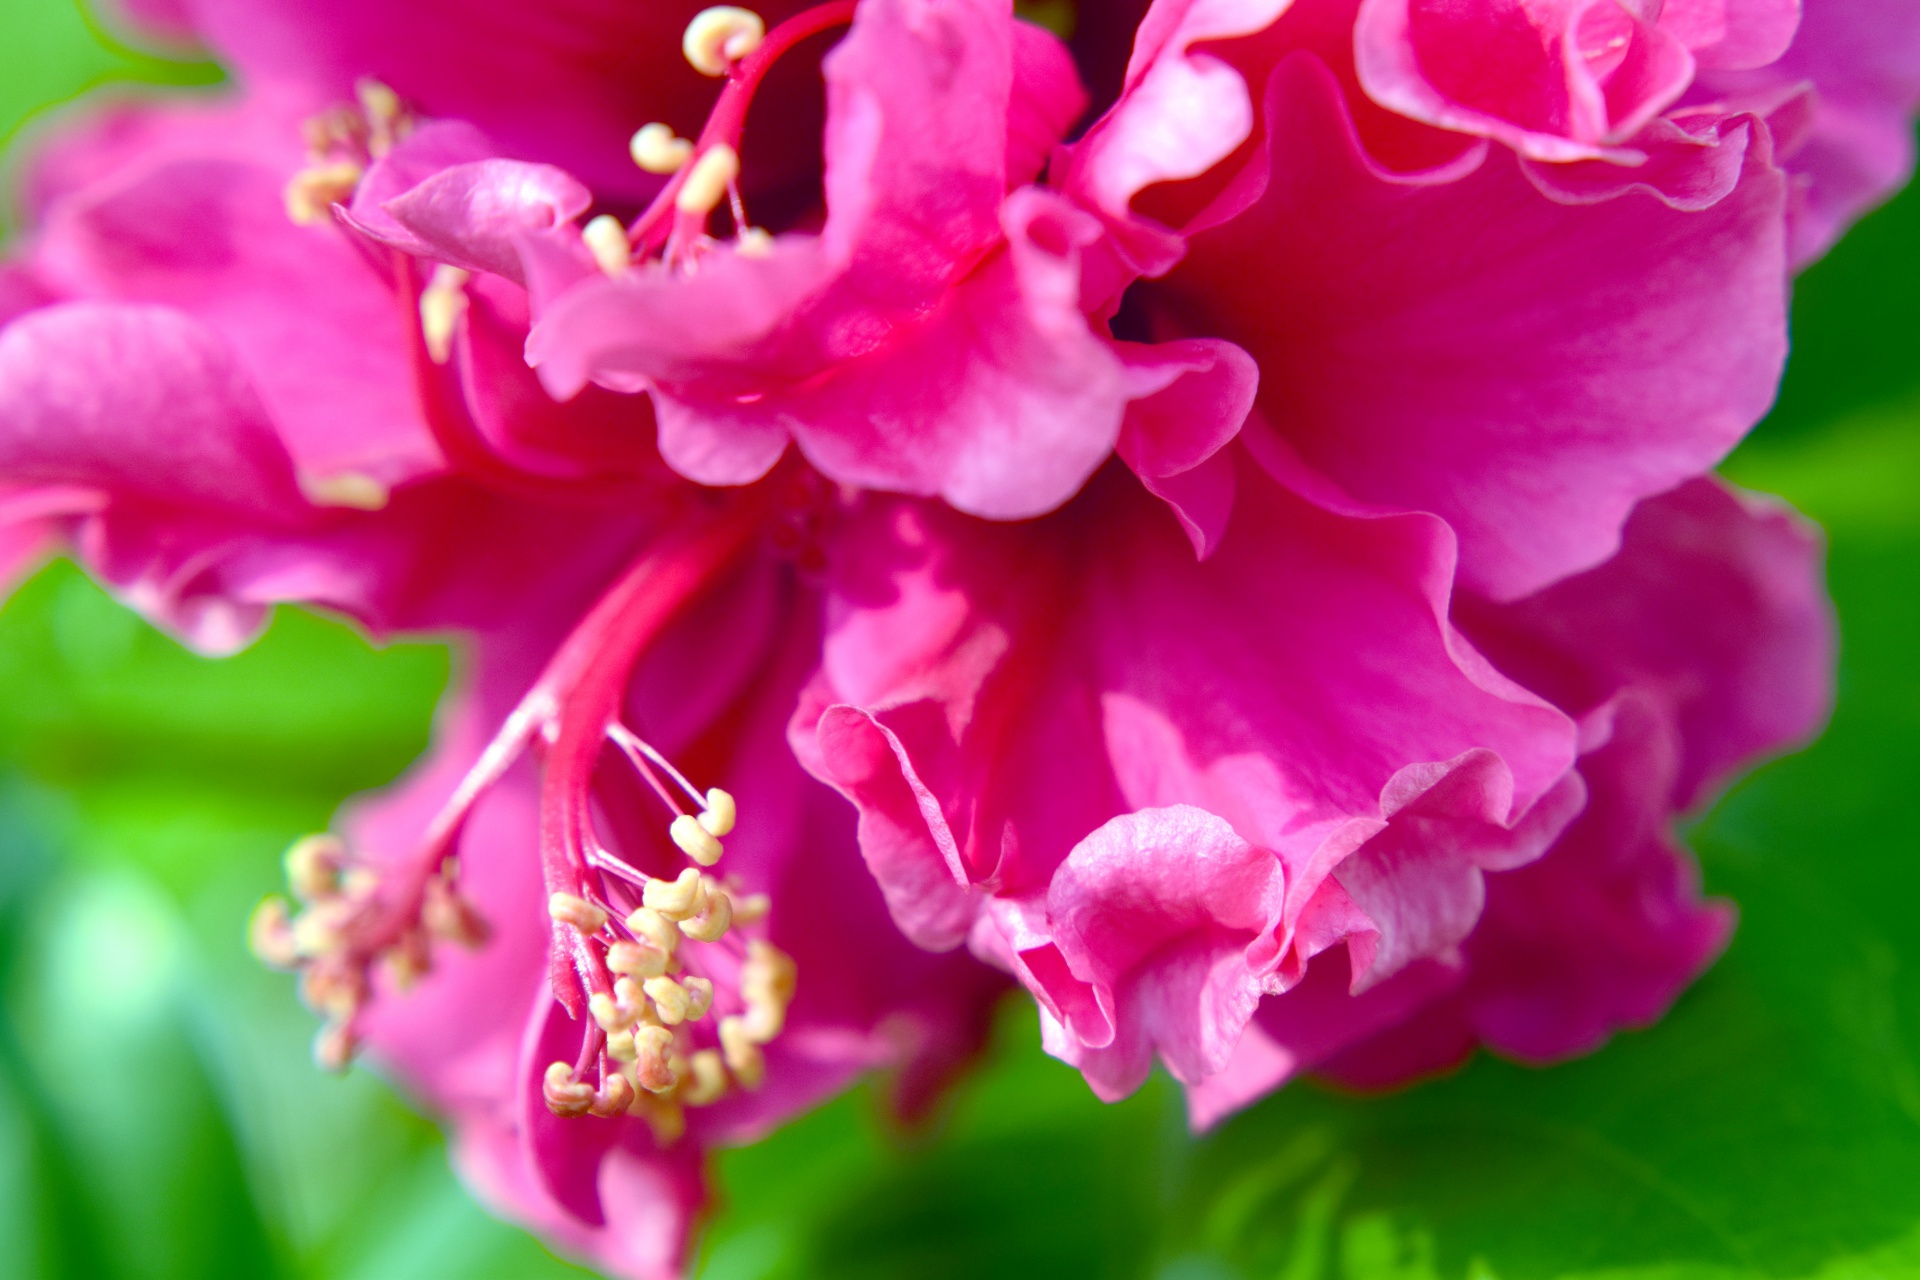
{"x": 1226, "y": 556}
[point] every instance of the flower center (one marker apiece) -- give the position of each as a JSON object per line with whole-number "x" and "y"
{"x": 722, "y": 41}
{"x": 673, "y": 980}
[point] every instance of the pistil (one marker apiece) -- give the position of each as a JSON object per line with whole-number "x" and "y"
{"x": 628, "y": 957}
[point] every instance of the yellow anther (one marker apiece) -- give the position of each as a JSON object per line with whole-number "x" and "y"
{"x": 442, "y": 303}
{"x": 615, "y": 1096}
{"x": 695, "y": 840}
{"x": 743, "y": 1055}
{"x": 652, "y": 1068}
{"x": 631, "y": 997}
{"x": 641, "y": 960}
{"x": 408, "y": 961}
{"x": 657, "y": 149}
{"x": 611, "y": 1014}
{"x": 663, "y": 1115}
{"x": 651, "y": 927}
{"x": 334, "y": 1047}
{"x": 670, "y": 1000}
{"x": 564, "y": 1095}
{"x": 676, "y": 899}
{"x": 707, "y": 1079}
{"x": 582, "y": 915}
{"x": 767, "y": 982}
{"x": 707, "y": 182}
{"x": 710, "y": 925}
{"x": 270, "y": 934}
{"x": 606, "y": 239}
{"x": 699, "y": 997}
{"x": 351, "y": 489}
{"x": 448, "y": 915}
{"x": 764, "y": 1019}
{"x": 720, "y": 814}
{"x": 768, "y": 972}
{"x": 381, "y": 103}
{"x": 313, "y": 866}
{"x": 752, "y": 908}
{"x": 335, "y": 990}
{"x": 318, "y": 931}
{"x": 721, "y": 36}
{"x": 312, "y": 192}
{"x": 754, "y": 242}
{"x": 620, "y": 1046}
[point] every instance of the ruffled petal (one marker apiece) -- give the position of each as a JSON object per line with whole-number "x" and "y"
{"x": 1528, "y": 385}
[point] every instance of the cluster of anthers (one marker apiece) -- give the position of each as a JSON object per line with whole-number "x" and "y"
{"x": 681, "y": 1004}
{"x": 675, "y": 999}
{"x": 341, "y": 143}
{"x": 343, "y": 930}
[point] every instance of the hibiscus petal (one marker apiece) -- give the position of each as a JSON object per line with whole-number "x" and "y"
{"x": 140, "y": 402}
{"x": 1156, "y": 910}
{"x": 203, "y": 230}
{"x": 1714, "y": 603}
{"x": 1863, "y": 59}
{"x": 473, "y": 215}
{"x": 1528, "y": 386}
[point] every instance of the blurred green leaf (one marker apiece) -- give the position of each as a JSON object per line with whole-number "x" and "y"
{"x": 56, "y": 50}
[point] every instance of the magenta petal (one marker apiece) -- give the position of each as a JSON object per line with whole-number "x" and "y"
{"x": 1002, "y": 401}
{"x": 1862, "y": 58}
{"x": 433, "y": 146}
{"x": 1009, "y": 691}
{"x": 1530, "y": 386}
{"x": 1715, "y": 603}
{"x": 1046, "y": 100}
{"x": 141, "y": 403}
{"x": 900, "y": 825}
{"x": 1691, "y": 169}
{"x": 473, "y": 215}
{"x": 1607, "y": 929}
{"x": 1155, "y": 911}
{"x": 200, "y": 226}
{"x": 931, "y": 339}
{"x": 1190, "y": 397}
{"x": 1419, "y": 881}
{"x": 1181, "y": 112}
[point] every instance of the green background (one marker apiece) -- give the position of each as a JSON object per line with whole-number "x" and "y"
{"x": 159, "y": 1117}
